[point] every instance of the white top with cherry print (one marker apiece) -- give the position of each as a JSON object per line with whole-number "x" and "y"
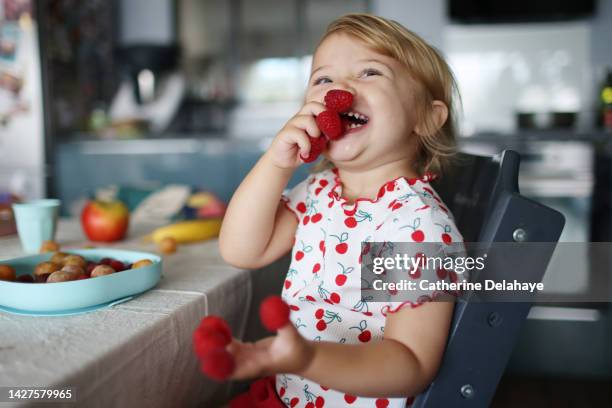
{"x": 323, "y": 287}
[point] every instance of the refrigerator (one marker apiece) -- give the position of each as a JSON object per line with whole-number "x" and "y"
{"x": 22, "y": 143}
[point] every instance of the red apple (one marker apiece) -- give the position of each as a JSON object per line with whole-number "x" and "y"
{"x": 105, "y": 221}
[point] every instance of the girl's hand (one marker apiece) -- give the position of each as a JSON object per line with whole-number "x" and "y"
{"x": 287, "y": 352}
{"x": 292, "y": 140}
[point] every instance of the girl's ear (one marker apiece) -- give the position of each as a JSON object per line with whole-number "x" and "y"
{"x": 437, "y": 118}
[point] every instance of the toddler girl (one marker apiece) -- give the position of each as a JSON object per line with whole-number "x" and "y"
{"x": 373, "y": 186}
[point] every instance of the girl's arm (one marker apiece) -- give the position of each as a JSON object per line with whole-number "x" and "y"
{"x": 403, "y": 364}
{"x": 257, "y": 229}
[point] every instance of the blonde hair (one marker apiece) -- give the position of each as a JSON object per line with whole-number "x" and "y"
{"x": 427, "y": 68}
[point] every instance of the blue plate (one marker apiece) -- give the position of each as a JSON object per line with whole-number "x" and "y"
{"x": 64, "y": 298}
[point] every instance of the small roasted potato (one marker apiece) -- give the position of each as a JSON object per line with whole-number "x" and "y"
{"x": 102, "y": 270}
{"x": 74, "y": 269}
{"x": 46, "y": 268}
{"x": 49, "y": 246}
{"x": 7, "y": 273}
{"x": 61, "y": 276}
{"x": 59, "y": 257}
{"x": 141, "y": 263}
{"x": 75, "y": 260}
{"x": 168, "y": 245}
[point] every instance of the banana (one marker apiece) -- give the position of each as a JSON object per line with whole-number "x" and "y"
{"x": 188, "y": 231}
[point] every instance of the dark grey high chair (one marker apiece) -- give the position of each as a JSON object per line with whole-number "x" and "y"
{"x": 482, "y": 193}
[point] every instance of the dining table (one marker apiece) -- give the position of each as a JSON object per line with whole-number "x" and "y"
{"x": 133, "y": 353}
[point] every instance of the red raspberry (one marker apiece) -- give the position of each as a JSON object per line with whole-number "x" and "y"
{"x": 330, "y": 124}
{"x": 206, "y": 340}
{"x": 218, "y": 364}
{"x": 217, "y": 324}
{"x": 274, "y": 313}
{"x": 317, "y": 145}
{"x": 338, "y": 100}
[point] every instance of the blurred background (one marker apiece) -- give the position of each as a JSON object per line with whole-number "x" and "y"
{"x": 128, "y": 97}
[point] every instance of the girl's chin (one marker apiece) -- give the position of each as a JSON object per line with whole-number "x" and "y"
{"x": 345, "y": 149}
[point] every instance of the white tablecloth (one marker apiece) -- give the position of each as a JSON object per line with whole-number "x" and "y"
{"x": 136, "y": 353}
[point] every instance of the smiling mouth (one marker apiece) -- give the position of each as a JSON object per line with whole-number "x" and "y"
{"x": 353, "y": 120}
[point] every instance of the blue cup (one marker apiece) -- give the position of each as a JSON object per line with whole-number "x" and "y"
{"x": 36, "y": 222}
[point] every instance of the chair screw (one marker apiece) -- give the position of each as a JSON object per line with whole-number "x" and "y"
{"x": 494, "y": 319}
{"x": 519, "y": 235}
{"x": 467, "y": 391}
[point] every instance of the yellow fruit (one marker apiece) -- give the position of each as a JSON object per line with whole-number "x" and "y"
{"x": 7, "y": 273}
{"x": 188, "y": 231}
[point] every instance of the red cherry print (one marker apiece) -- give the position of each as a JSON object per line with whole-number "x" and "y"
{"x": 342, "y": 248}
{"x": 310, "y": 405}
{"x": 418, "y": 236}
{"x": 294, "y": 308}
{"x": 350, "y": 222}
{"x": 365, "y": 336}
{"x": 415, "y": 274}
{"x": 367, "y": 313}
{"x": 282, "y": 391}
{"x": 324, "y": 388}
{"x": 340, "y": 280}
{"x": 323, "y": 183}
{"x": 334, "y": 297}
{"x": 349, "y": 398}
{"x": 441, "y": 272}
{"x": 294, "y": 401}
{"x": 412, "y": 181}
{"x": 390, "y": 186}
{"x": 306, "y": 219}
{"x": 301, "y": 207}
{"x": 330, "y": 204}
{"x": 447, "y": 238}
{"x": 322, "y": 246}
{"x": 321, "y": 325}
{"x": 318, "y": 190}
{"x": 299, "y": 255}
{"x": 382, "y": 403}
{"x": 319, "y": 313}
{"x": 452, "y": 276}
{"x": 381, "y": 192}
{"x": 316, "y": 268}
{"x": 396, "y": 206}
{"x": 319, "y": 402}
{"x": 310, "y": 298}
{"x": 287, "y": 283}
{"x": 316, "y": 218}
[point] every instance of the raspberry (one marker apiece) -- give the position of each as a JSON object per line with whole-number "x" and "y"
{"x": 330, "y": 124}
{"x": 206, "y": 340}
{"x": 338, "y": 100}
{"x": 218, "y": 364}
{"x": 216, "y": 323}
{"x": 317, "y": 145}
{"x": 274, "y": 313}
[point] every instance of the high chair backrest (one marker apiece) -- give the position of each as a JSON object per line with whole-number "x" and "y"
{"x": 482, "y": 193}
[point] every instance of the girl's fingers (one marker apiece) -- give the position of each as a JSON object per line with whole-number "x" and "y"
{"x": 312, "y": 108}
{"x": 306, "y": 123}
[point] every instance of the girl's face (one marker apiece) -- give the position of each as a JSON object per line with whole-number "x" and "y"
{"x": 383, "y": 92}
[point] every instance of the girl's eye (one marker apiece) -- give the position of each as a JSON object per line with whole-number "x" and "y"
{"x": 322, "y": 80}
{"x": 370, "y": 72}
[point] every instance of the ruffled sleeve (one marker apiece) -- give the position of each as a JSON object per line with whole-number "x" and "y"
{"x": 295, "y": 198}
{"x": 429, "y": 239}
